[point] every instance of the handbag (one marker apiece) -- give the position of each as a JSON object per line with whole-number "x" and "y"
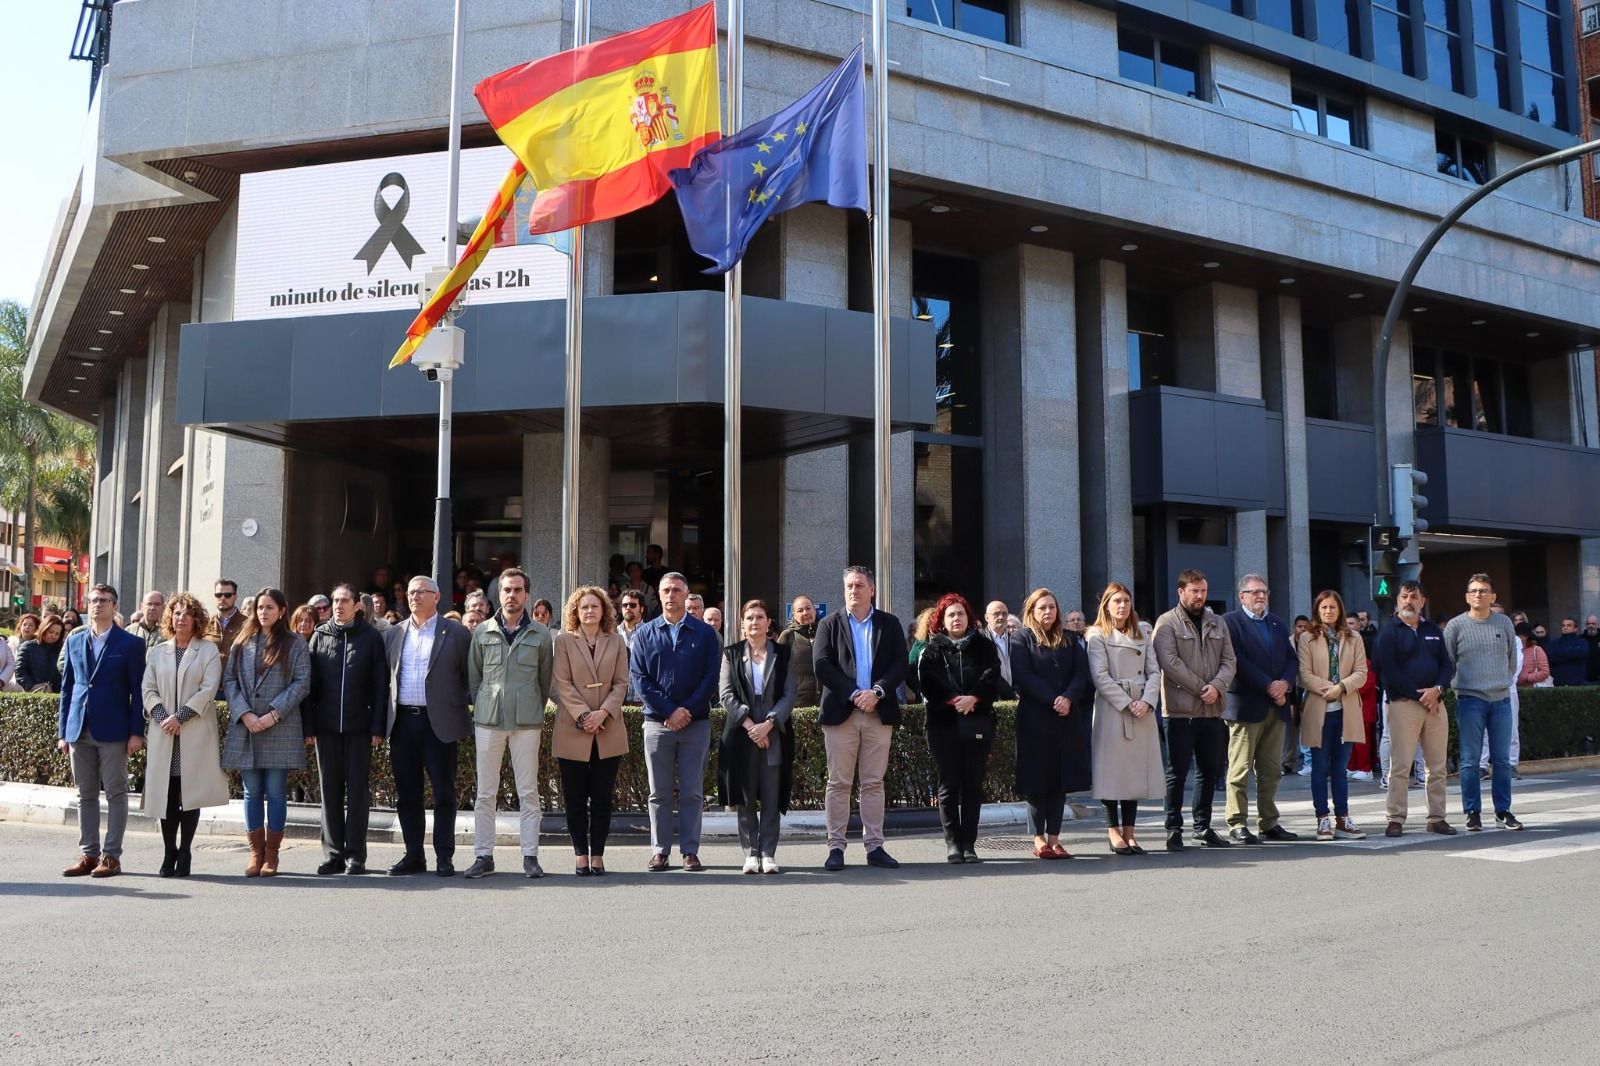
{"x": 974, "y": 726}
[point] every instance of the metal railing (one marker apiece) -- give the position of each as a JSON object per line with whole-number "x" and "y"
{"x": 92, "y": 40}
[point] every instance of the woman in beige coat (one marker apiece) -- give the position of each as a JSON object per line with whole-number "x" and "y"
{"x": 1126, "y": 748}
{"x": 590, "y": 680}
{"x": 1333, "y": 667}
{"x": 183, "y": 771}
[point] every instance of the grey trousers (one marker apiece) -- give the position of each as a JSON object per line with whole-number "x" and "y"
{"x": 676, "y": 759}
{"x": 758, "y": 832}
{"x": 101, "y": 766}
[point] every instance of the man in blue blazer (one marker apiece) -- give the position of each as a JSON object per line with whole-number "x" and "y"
{"x": 1257, "y": 711}
{"x": 100, "y": 724}
{"x": 675, "y": 662}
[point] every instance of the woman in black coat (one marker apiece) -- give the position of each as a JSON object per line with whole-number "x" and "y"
{"x": 958, "y": 673}
{"x": 36, "y": 659}
{"x": 1054, "y": 718}
{"x": 755, "y": 764}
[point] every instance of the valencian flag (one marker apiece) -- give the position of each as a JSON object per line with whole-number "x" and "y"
{"x": 814, "y": 149}
{"x": 486, "y": 237}
{"x": 599, "y": 127}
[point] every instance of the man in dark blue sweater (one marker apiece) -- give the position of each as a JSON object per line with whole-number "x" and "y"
{"x": 1415, "y": 670}
{"x": 1257, "y": 709}
{"x": 674, "y": 665}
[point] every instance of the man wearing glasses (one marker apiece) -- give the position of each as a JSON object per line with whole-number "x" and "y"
{"x": 1257, "y": 710}
{"x": 228, "y": 619}
{"x": 101, "y": 724}
{"x": 1483, "y": 649}
{"x": 632, "y": 608}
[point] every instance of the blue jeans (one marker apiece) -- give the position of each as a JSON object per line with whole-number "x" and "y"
{"x": 1332, "y": 750}
{"x": 268, "y": 789}
{"x": 1472, "y": 716}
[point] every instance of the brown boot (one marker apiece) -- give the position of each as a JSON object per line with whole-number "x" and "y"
{"x": 269, "y": 868}
{"x": 258, "y": 852}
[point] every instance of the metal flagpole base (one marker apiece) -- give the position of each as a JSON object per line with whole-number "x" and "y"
{"x": 443, "y": 548}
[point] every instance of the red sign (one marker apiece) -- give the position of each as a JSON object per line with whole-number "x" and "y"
{"x": 56, "y": 559}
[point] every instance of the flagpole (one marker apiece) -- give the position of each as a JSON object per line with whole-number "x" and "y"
{"x": 443, "y": 537}
{"x": 572, "y": 400}
{"x": 732, "y": 371}
{"x": 882, "y": 501}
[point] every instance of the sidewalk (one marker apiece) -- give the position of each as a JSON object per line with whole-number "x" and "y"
{"x": 55, "y": 805}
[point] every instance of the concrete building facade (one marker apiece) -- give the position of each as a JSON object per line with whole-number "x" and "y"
{"x": 1140, "y": 253}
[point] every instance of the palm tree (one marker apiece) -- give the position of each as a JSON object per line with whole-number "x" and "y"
{"x": 28, "y": 434}
{"x": 66, "y": 493}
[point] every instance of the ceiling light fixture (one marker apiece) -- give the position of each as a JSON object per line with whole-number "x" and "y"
{"x": 1531, "y": 334}
{"x": 925, "y": 317}
{"x": 1130, "y": 247}
{"x": 85, "y": 362}
{"x": 156, "y": 240}
{"x": 73, "y": 391}
{"x": 1479, "y": 321}
{"x": 1285, "y": 281}
{"x": 654, "y": 278}
{"x": 1040, "y": 228}
{"x": 141, "y": 266}
{"x": 1418, "y": 310}
{"x": 947, "y": 344}
{"x": 104, "y": 332}
{"x": 1357, "y": 296}
{"x": 129, "y": 292}
{"x": 118, "y": 314}
{"x": 939, "y": 209}
{"x": 1211, "y": 264}
{"x": 79, "y": 377}
{"x": 96, "y": 349}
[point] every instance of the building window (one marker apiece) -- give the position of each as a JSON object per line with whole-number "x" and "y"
{"x": 1391, "y": 35}
{"x": 949, "y": 522}
{"x": 1165, "y": 64}
{"x": 1150, "y": 353}
{"x": 1339, "y": 25}
{"x": 1461, "y": 391}
{"x": 981, "y": 18}
{"x": 1543, "y": 55}
{"x": 1441, "y": 23}
{"x": 1327, "y": 116}
{"x": 945, "y": 293}
{"x": 1232, "y": 7}
{"x": 1462, "y": 157}
{"x": 1206, "y": 531}
{"x": 1489, "y": 44}
{"x": 1285, "y": 15}
{"x": 1320, "y": 373}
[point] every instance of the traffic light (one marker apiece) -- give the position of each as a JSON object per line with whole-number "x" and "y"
{"x": 1407, "y": 501}
{"x": 1387, "y": 545}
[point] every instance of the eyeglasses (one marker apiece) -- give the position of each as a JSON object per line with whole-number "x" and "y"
{"x": 1480, "y": 592}
{"x": 225, "y": 595}
{"x": 1253, "y": 592}
{"x": 100, "y": 599}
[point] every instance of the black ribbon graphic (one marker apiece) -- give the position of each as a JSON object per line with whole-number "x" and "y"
{"x": 391, "y": 225}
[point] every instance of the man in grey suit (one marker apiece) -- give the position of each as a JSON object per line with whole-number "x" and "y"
{"x": 428, "y": 719}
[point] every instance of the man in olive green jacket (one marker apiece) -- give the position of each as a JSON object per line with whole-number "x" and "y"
{"x": 508, "y": 673}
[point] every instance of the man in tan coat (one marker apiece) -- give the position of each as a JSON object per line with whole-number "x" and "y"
{"x": 1195, "y": 654}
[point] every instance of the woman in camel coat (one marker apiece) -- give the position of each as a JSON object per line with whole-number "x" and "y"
{"x": 590, "y": 681}
{"x": 1333, "y": 668}
{"x": 183, "y": 770}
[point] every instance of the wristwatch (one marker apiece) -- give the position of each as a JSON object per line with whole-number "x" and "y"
{"x": 877, "y": 690}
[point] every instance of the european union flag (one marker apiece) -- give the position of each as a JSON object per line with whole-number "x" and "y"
{"x": 814, "y": 149}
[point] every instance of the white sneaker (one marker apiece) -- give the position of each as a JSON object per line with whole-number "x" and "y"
{"x": 1361, "y": 775}
{"x": 1384, "y": 784}
{"x": 1304, "y": 771}
{"x": 752, "y": 865}
{"x": 769, "y": 865}
{"x": 1346, "y": 829}
{"x": 1324, "y": 828}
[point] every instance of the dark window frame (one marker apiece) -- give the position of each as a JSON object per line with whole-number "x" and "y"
{"x": 1158, "y": 43}
{"x": 1358, "y": 112}
{"x": 1433, "y": 364}
{"x": 958, "y": 11}
{"x": 1457, "y": 166}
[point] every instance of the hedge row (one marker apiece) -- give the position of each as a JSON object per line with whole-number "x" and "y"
{"x": 1555, "y": 723}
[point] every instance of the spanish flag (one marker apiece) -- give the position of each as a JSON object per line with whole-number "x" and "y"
{"x": 483, "y": 239}
{"x": 600, "y": 127}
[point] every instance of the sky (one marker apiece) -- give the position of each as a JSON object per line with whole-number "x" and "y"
{"x": 47, "y": 98}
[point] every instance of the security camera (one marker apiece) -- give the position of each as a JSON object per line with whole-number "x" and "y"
{"x": 432, "y": 373}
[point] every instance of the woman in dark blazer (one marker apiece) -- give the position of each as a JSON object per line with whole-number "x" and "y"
{"x": 959, "y": 673}
{"x": 756, "y": 761}
{"x": 1054, "y": 717}
{"x": 36, "y": 660}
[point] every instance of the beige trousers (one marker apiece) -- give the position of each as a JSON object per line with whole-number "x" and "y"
{"x": 860, "y": 742}
{"x": 1410, "y": 721}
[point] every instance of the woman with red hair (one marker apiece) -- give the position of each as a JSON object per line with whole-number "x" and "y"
{"x": 959, "y": 672}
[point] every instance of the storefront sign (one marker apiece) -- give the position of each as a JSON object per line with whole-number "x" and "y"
{"x": 361, "y": 236}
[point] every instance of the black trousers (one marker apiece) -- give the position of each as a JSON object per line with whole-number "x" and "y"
{"x": 588, "y": 788}
{"x": 413, "y": 749}
{"x": 344, "y": 764}
{"x": 1044, "y": 813}
{"x": 176, "y": 818}
{"x": 1204, "y": 742}
{"x": 1120, "y": 812}
{"x": 960, "y": 765}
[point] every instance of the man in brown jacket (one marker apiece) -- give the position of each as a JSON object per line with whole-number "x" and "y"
{"x": 1195, "y": 654}
{"x": 228, "y": 619}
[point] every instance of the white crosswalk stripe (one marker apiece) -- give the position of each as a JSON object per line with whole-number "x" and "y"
{"x": 1533, "y": 850}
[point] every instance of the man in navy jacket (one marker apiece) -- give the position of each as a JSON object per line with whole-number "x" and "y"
{"x": 1257, "y": 710}
{"x": 1414, "y": 668}
{"x": 100, "y": 724}
{"x": 674, "y": 664}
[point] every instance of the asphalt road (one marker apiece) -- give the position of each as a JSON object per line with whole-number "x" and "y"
{"x": 1476, "y": 948}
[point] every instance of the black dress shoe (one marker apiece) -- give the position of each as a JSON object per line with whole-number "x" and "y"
{"x": 1175, "y": 840}
{"x": 835, "y": 861}
{"x": 355, "y": 867}
{"x": 444, "y": 868}
{"x": 1442, "y": 827}
{"x": 952, "y": 852}
{"x": 1116, "y": 850}
{"x": 331, "y": 866}
{"x": 1210, "y": 838}
{"x": 411, "y": 864}
{"x": 583, "y": 871}
{"x": 169, "y": 864}
{"x": 1136, "y": 849}
{"x": 1279, "y": 835}
{"x": 1241, "y": 834}
{"x": 881, "y": 859}
{"x": 970, "y": 855}
{"x": 181, "y": 866}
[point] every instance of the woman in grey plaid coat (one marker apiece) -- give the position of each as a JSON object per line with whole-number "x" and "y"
{"x": 267, "y": 676}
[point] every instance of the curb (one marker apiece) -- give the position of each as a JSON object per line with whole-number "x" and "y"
{"x": 58, "y": 805}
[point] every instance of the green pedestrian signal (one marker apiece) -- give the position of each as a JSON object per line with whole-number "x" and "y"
{"x": 1383, "y": 588}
